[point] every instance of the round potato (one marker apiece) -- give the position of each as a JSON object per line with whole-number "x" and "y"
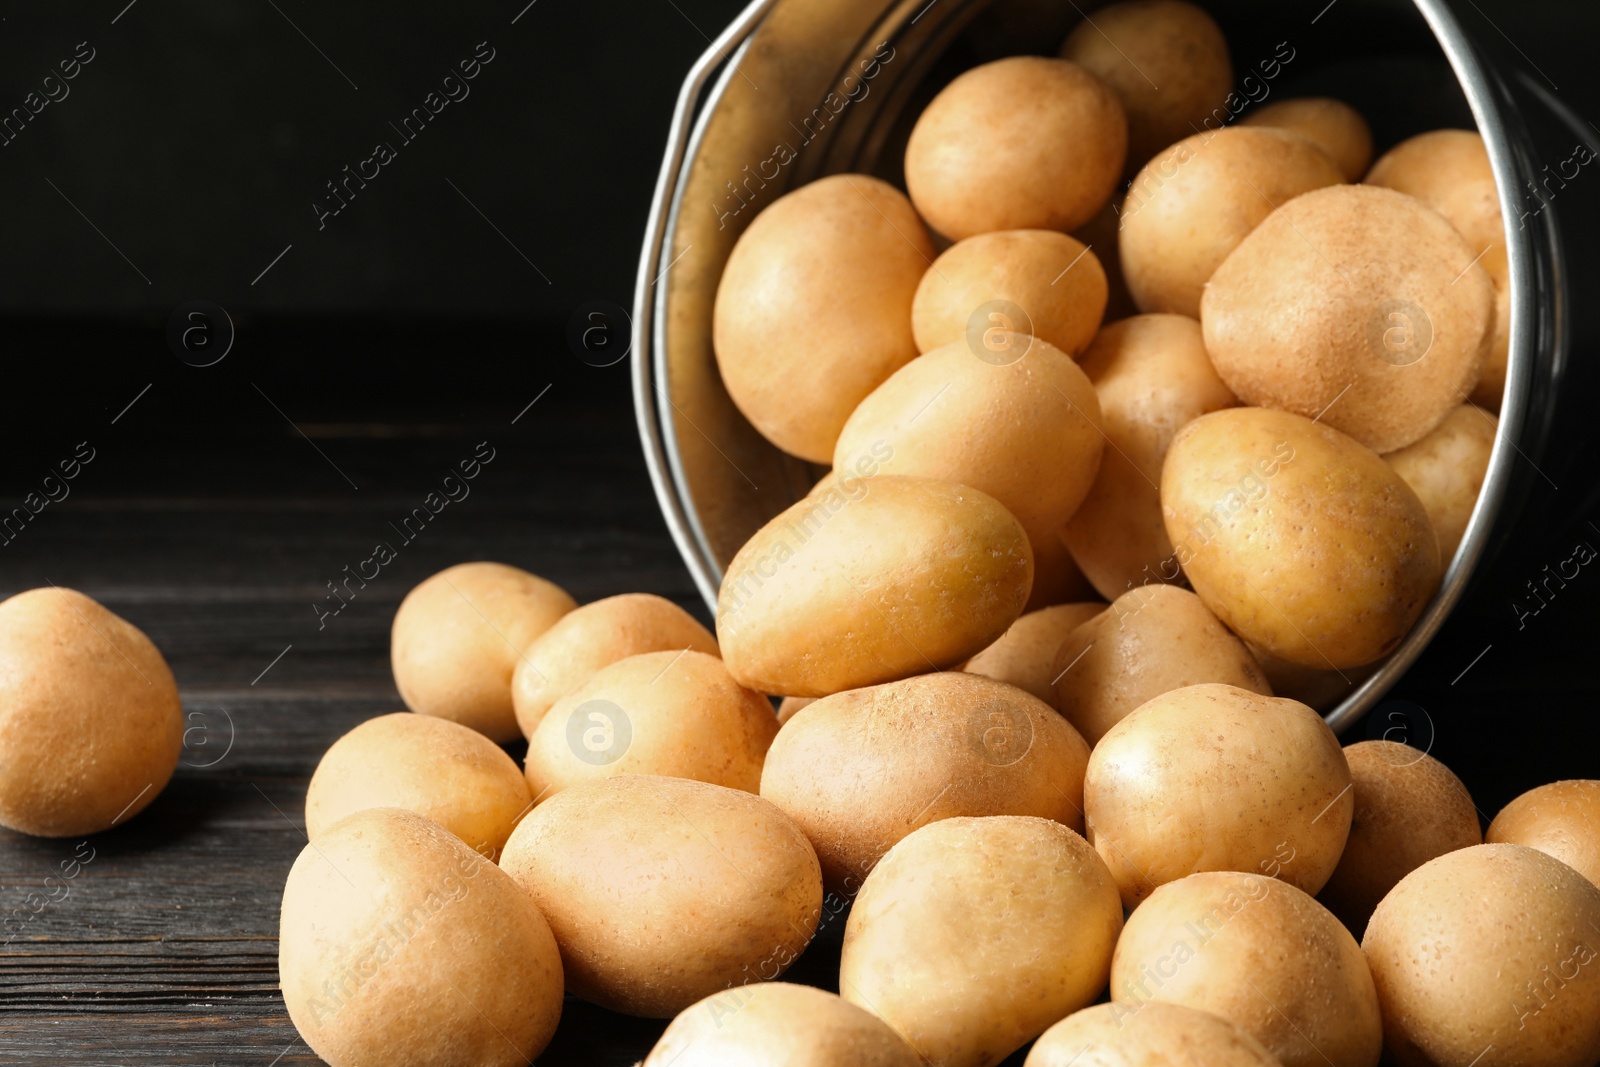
{"x": 1147, "y": 1035}
{"x": 664, "y": 891}
{"x": 1025, "y": 654}
{"x": 1022, "y": 143}
{"x": 1449, "y": 170}
{"x": 966, "y": 982}
{"x": 90, "y": 723}
{"x": 1446, "y": 470}
{"x": 1214, "y": 778}
{"x": 1332, "y": 125}
{"x": 400, "y": 945}
{"x": 1304, "y": 543}
{"x": 814, "y": 307}
{"x": 861, "y": 770}
{"x": 1561, "y": 819}
{"x": 457, "y": 639}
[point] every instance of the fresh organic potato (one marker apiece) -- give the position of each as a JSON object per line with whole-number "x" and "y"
{"x": 1215, "y": 778}
{"x": 814, "y": 307}
{"x": 1561, "y": 819}
{"x": 1196, "y": 201}
{"x": 1024, "y": 656}
{"x": 1332, "y": 125}
{"x": 1409, "y": 809}
{"x": 912, "y": 575}
{"x": 1259, "y": 953}
{"x": 1147, "y": 1035}
{"x": 1449, "y": 170}
{"x": 974, "y": 935}
{"x": 1304, "y": 543}
{"x": 1487, "y": 956}
{"x": 1152, "y": 375}
{"x": 1355, "y": 305}
{"x": 90, "y": 723}
{"x": 1446, "y": 469}
{"x": 1022, "y": 143}
{"x": 663, "y": 891}
{"x": 678, "y": 714}
{"x": 595, "y": 636}
{"x": 776, "y": 1024}
{"x": 1152, "y": 640}
{"x": 400, "y": 945}
{"x": 860, "y": 770}
{"x": 458, "y": 637}
{"x": 448, "y": 772}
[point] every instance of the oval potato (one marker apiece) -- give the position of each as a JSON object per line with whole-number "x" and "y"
{"x": 1025, "y": 655}
{"x": 1446, "y": 470}
{"x": 1147, "y": 1035}
{"x": 1561, "y": 819}
{"x": 1332, "y": 125}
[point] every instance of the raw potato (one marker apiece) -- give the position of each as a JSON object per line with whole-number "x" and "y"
{"x": 1390, "y": 323}
{"x": 1446, "y": 469}
{"x": 1147, "y": 1035}
{"x": 1332, "y": 125}
{"x": 1561, "y": 819}
{"x": 458, "y": 637}
{"x": 861, "y": 770}
{"x": 814, "y": 307}
{"x": 1195, "y": 202}
{"x": 663, "y": 891}
{"x": 789, "y": 707}
{"x": 1025, "y": 654}
{"x": 1410, "y": 809}
{"x": 400, "y": 945}
{"x": 1152, "y": 375}
{"x": 1023, "y": 143}
{"x": 595, "y": 636}
{"x": 1214, "y": 778}
{"x": 1259, "y": 953}
{"x": 1487, "y": 956}
{"x": 974, "y": 935}
{"x": 1239, "y": 491}
{"x": 909, "y": 576}
{"x": 439, "y": 769}
{"x": 1151, "y": 640}
{"x": 776, "y": 1024}
{"x": 678, "y": 714}
{"x": 90, "y": 723}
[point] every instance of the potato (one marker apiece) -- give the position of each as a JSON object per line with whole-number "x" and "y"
{"x": 1332, "y": 125}
{"x": 1301, "y": 541}
{"x": 678, "y": 714}
{"x": 1148, "y": 1035}
{"x": 860, "y": 770}
{"x": 974, "y": 935}
{"x": 1167, "y": 61}
{"x": 457, "y": 639}
{"x": 776, "y": 1024}
{"x": 90, "y": 723}
{"x": 400, "y": 945}
{"x": 789, "y": 707}
{"x": 663, "y": 891}
{"x": 1151, "y": 640}
{"x": 981, "y": 284}
{"x": 1024, "y": 655}
{"x": 1561, "y": 819}
{"x": 908, "y": 575}
{"x": 1214, "y": 778}
{"x": 814, "y": 307}
{"x": 1259, "y": 953}
{"x": 595, "y": 636}
{"x": 1449, "y": 170}
{"x": 1022, "y": 143}
{"x": 1056, "y": 576}
{"x": 1446, "y": 469}
{"x": 436, "y": 768}
{"x": 1195, "y": 202}
{"x": 1389, "y": 319}
{"x": 1152, "y": 375}
{"x": 1487, "y": 956}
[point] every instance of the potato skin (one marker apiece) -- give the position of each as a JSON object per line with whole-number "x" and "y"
{"x": 1332, "y": 125}
{"x": 1301, "y": 541}
{"x": 1025, "y": 655}
{"x": 1446, "y": 470}
{"x": 1561, "y": 819}
{"x": 1151, "y": 1034}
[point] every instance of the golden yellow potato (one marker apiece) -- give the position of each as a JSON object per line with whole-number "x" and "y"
{"x": 860, "y": 770}
{"x": 1301, "y": 541}
{"x": 1022, "y": 143}
{"x": 1449, "y": 170}
{"x": 1147, "y": 1035}
{"x": 974, "y": 935}
{"x": 1152, "y": 640}
{"x": 400, "y": 945}
{"x": 663, "y": 891}
{"x": 1389, "y": 323}
{"x": 1025, "y": 655}
{"x": 1195, "y": 202}
{"x": 912, "y": 575}
{"x": 90, "y": 723}
{"x": 1259, "y": 953}
{"x": 436, "y": 768}
{"x": 1215, "y": 778}
{"x": 814, "y": 307}
{"x": 1332, "y": 125}
{"x": 1487, "y": 956}
{"x": 595, "y": 636}
{"x": 1152, "y": 375}
{"x": 1561, "y": 819}
{"x": 678, "y": 714}
{"x": 458, "y": 637}
{"x": 1446, "y": 468}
